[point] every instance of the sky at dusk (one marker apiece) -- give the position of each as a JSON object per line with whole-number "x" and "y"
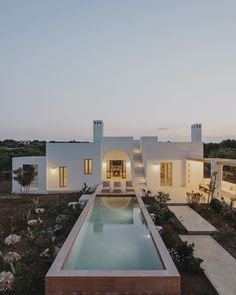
{"x": 147, "y": 67}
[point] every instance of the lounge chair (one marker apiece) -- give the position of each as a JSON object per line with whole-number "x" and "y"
{"x": 106, "y": 188}
{"x": 117, "y": 187}
{"x": 129, "y": 187}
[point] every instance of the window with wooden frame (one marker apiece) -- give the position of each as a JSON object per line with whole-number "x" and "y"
{"x": 166, "y": 174}
{"x": 62, "y": 176}
{"x": 88, "y": 166}
{"x": 116, "y": 169}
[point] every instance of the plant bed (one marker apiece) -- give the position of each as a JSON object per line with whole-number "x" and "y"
{"x": 39, "y": 243}
{"x": 193, "y": 279}
{"x": 225, "y": 224}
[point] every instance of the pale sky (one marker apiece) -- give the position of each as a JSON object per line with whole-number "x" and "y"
{"x": 147, "y": 67}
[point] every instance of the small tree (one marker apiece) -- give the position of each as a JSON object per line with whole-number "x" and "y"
{"x": 25, "y": 176}
{"x": 212, "y": 187}
{"x": 19, "y": 177}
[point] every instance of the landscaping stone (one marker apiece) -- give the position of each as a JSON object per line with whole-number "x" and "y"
{"x": 39, "y": 210}
{"x": 192, "y": 221}
{"x": 6, "y": 280}
{"x": 12, "y": 257}
{"x": 74, "y": 205}
{"x": 32, "y": 222}
{"x": 218, "y": 265}
{"x": 12, "y": 240}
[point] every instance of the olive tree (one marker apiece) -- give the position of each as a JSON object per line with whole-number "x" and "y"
{"x": 25, "y": 176}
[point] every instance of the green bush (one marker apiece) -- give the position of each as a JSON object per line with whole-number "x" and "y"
{"x": 193, "y": 198}
{"x": 182, "y": 254}
{"x": 216, "y": 205}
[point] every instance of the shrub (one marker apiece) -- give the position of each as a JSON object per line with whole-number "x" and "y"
{"x": 24, "y": 278}
{"x": 216, "y": 205}
{"x": 182, "y": 254}
{"x": 193, "y": 198}
{"x": 160, "y": 208}
{"x": 85, "y": 190}
{"x": 162, "y": 198}
{"x": 56, "y": 206}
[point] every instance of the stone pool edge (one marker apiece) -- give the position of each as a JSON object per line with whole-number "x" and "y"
{"x": 68, "y": 282}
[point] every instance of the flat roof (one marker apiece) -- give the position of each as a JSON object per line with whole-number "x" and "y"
{"x": 222, "y": 161}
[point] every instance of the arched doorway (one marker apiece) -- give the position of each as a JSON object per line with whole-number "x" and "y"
{"x": 116, "y": 165}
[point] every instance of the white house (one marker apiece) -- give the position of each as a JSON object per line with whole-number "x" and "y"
{"x": 145, "y": 161}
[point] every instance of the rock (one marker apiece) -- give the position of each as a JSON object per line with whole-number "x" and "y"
{"x": 62, "y": 218}
{"x": 12, "y": 240}
{"x": 45, "y": 253}
{"x": 74, "y": 205}
{"x": 39, "y": 210}
{"x": 6, "y": 280}
{"x": 32, "y": 222}
{"x": 12, "y": 257}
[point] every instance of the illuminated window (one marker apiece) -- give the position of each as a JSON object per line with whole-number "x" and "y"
{"x": 116, "y": 169}
{"x": 166, "y": 174}
{"x": 62, "y": 176}
{"x": 88, "y": 166}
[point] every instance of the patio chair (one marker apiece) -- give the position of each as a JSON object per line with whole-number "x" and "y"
{"x": 129, "y": 187}
{"x": 117, "y": 187}
{"x": 106, "y": 187}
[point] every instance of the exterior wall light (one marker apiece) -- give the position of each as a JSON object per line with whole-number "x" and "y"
{"x": 53, "y": 171}
{"x": 156, "y": 167}
{"x": 128, "y": 164}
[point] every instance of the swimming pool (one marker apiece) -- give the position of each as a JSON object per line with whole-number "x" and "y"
{"x": 114, "y": 248}
{"x": 114, "y": 235}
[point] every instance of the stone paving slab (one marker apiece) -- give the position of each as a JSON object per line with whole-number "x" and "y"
{"x": 219, "y": 266}
{"x": 192, "y": 221}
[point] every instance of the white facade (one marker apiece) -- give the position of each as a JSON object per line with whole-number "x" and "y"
{"x": 145, "y": 161}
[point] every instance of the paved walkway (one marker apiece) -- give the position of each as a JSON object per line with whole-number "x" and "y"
{"x": 219, "y": 266}
{"x": 192, "y": 221}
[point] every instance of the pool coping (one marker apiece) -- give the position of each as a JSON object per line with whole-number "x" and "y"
{"x": 169, "y": 273}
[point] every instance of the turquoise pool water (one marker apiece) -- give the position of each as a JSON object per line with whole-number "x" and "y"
{"x": 114, "y": 236}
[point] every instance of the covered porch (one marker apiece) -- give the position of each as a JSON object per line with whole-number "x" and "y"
{"x": 225, "y": 171}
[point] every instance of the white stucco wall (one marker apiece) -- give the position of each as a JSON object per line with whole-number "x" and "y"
{"x": 174, "y": 152}
{"x": 72, "y": 156}
{"x": 123, "y": 144}
{"x": 41, "y": 163}
{"x": 117, "y": 155}
{"x": 194, "y": 174}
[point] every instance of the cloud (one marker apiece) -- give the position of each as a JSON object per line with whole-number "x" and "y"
{"x": 163, "y": 128}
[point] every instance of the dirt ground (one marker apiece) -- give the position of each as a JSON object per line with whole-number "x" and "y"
{"x": 13, "y": 219}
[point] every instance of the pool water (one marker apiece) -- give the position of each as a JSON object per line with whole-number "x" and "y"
{"x": 114, "y": 236}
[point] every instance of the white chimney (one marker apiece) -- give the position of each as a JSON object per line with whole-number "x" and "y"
{"x": 196, "y": 132}
{"x": 97, "y": 130}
